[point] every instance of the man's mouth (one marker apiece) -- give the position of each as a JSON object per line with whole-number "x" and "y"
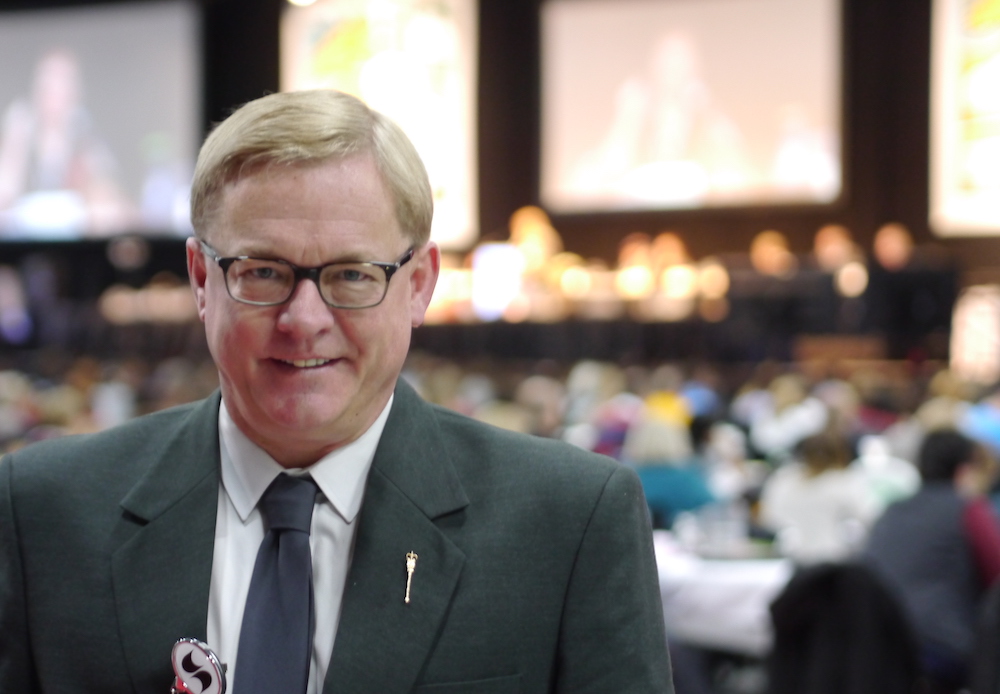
{"x": 306, "y": 363}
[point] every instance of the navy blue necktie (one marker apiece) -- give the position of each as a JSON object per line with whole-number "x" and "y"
{"x": 276, "y": 638}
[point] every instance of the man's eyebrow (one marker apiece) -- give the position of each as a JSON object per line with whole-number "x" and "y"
{"x": 347, "y": 257}
{"x": 259, "y": 254}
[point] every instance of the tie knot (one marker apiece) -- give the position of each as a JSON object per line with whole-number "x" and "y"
{"x": 288, "y": 503}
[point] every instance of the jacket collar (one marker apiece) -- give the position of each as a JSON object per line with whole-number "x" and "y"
{"x": 413, "y": 456}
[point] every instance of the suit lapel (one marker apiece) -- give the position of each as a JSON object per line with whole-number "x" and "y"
{"x": 161, "y": 569}
{"x": 412, "y": 483}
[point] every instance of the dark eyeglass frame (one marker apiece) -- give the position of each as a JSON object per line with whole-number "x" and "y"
{"x": 299, "y": 273}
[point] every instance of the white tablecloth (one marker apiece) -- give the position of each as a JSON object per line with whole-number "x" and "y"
{"x": 718, "y": 603}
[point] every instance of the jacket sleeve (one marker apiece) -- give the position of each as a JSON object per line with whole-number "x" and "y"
{"x": 16, "y": 666}
{"x": 984, "y": 535}
{"x": 612, "y": 637}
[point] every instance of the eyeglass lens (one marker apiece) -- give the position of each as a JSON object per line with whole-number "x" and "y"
{"x": 341, "y": 284}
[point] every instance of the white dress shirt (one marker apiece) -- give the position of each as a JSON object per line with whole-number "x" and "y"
{"x": 246, "y": 473}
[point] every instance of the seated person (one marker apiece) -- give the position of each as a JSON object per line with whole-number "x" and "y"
{"x": 818, "y": 506}
{"x": 672, "y": 478}
{"x": 791, "y": 415}
{"x": 939, "y": 551}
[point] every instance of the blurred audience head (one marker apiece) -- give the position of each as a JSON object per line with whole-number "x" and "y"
{"x": 949, "y": 456}
{"x": 655, "y": 440}
{"x": 827, "y": 450}
{"x": 787, "y": 390}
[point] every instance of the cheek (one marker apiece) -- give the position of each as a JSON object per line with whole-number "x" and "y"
{"x": 382, "y": 338}
{"x": 395, "y": 342}
{"x": 217, "y": 321}
{"x": 230, "y": 335}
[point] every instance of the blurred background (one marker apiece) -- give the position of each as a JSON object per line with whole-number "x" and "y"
{"x": 710, "y": 182}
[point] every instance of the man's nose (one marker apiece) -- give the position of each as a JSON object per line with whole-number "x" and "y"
{"x": 305, "y": 310}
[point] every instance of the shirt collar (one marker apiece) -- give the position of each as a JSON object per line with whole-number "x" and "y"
{"x": 247, "y": 470}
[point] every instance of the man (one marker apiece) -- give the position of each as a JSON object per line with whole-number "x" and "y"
{"x": 478, "y": 560}
{"x": 939, "y": 551}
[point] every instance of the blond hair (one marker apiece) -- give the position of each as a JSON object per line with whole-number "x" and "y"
{"x": 311, "y": 127}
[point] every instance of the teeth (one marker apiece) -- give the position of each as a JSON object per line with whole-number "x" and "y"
{"x": 306, "y": 363}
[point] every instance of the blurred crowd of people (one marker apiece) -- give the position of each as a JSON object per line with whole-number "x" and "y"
{"x": 50, "y": 393}
{"x": 834, "y": 439}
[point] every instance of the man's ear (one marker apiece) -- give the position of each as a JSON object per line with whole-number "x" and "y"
{"x": 423, "y": 279}
{"x": 197, "y": 272}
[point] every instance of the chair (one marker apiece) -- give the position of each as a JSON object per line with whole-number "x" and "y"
{"x": 838, "y": 630}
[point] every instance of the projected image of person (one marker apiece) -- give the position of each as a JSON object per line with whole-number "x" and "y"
{"x": 57, "y": 178}
{"x": 804, "y": 162}
{"x": 668, "y": 141}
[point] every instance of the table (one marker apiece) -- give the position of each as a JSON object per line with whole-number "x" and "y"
{"x": 721, "y": 604}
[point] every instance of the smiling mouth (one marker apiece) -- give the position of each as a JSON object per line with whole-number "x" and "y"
{"x": 306, "y": 363}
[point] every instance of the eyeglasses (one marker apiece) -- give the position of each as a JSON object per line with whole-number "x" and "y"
{"x": 270, "y": 282}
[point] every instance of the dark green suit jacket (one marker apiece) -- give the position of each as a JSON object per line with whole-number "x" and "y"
{"x": 535, "y": 574}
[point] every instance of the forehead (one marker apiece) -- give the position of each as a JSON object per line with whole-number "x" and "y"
{"x": 342, "y": 199}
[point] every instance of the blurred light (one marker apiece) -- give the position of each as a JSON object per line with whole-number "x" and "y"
{"x": 602, "y": 301}
{"x": 452, "y": 293}
{"x": 635, "y": 282}
{"x": 852, "y": 279}
{"x": 635, "y": 249}
{"x": 661, "y": 307}
{"x": 769, "y": 255}
{"x": 548, "y": 307}
{"x": 679, "y": 282}
{"x": 454, "y": 284}
{"x": 535, "y": 253}
{"x": 576, "y": 282}
{"x": 557, "y": 266}
{"x": 526, "y": 219}
{"x": 668, "y": 249}
{"x": 302, "y": 3}
{"x": 518, "y": 310}
{"x": 164, "y": 300}
{"x": 833, "y": 247}
{"x": 128, "y": 253}
{"x": 893, "y": 246}
{"x": 635, "y": 279}
{"x": 497, "y": 269}
{"x": 533, "y": 233}
{"x": 713, "y": 310}
{"x": 713, "y": 279}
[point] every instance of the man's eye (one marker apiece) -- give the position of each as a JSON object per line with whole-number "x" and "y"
{"x": 263, "y": 273}
{"x": 352, "y": 274}
{"x": 257, "y": 271}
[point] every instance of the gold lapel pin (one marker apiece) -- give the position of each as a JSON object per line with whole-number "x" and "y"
{"x": 411, "y": 566}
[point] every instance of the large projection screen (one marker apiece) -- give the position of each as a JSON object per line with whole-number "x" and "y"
{"x": 414, "y": 61}
{"x": 100, "y": 119}
{"x": 664, "y": 104}
{"x": 965, "y": 119}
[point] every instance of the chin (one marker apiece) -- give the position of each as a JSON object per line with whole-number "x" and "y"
{"x": 308, "y": 413}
